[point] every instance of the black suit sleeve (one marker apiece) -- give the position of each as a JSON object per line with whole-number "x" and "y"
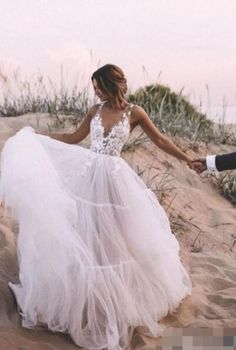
{"x": 226, "y": 161}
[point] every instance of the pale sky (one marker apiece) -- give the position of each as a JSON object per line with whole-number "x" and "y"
{"x": 180, "y": 43}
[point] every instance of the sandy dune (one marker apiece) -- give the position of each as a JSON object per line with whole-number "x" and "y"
{"x": 203, "y": 221}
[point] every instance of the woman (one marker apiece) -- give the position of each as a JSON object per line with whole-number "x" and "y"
{"x": 96, "y": 254}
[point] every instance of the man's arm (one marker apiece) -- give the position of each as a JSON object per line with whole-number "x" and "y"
{"x": 226, "y": 161}
{"x": 215, "y": 162}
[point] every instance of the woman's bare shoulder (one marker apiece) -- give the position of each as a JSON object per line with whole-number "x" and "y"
{"x": 138, "y": 112}
{"x": 93, "y": 110}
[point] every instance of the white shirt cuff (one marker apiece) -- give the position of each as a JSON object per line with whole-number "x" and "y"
{"x": 211, "y": 162}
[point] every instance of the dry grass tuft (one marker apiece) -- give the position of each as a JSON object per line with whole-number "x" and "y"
{"x": 226, "y": 183}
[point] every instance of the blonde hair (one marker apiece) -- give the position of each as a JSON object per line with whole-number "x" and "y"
{"x": 112, "y": 82}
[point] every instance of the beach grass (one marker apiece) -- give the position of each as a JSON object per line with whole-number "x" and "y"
{"x": 170, "y": 111}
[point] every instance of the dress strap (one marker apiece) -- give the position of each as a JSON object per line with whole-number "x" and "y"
{"x": 100, "y": 106}
{"x": 128, "y": 113}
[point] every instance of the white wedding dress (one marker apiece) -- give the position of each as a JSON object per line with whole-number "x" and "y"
{"x": 96, "y": 254}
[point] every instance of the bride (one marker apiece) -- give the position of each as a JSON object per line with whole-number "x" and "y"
{"x": 96, "y": 254}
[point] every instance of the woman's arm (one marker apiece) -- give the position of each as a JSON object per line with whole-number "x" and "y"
{"x": 79, "y": 134}
{"x": 163, "y": 142}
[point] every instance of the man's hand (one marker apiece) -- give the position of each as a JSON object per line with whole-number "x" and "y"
{"x": 199, "y": 165}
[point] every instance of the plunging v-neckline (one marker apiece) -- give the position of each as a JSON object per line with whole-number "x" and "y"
{"x": 107, "y": 134}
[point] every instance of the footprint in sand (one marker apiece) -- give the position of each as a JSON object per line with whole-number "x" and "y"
{"x": 215, "y": 279}
{"x": 216, "y": 262}
{"x": 231, "y": 274}
{"x": 208, "y": 268}
{"x": 221, "y": 283}
{"x": 225, "y": 303}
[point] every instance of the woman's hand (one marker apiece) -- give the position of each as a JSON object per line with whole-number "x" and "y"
{"x": 199, "y": 165}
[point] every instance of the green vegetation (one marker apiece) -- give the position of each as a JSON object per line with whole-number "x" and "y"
{"x": 171, "y": 112}
{"x": 226, "y": 183}
{"x": 40, "y": 95}
{"x": 175, "y": 115}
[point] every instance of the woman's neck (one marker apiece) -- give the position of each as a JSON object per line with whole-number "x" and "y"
{"x": 112, "y": 105}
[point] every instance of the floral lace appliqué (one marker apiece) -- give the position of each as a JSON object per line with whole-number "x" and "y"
{"x": 112, "y": 143}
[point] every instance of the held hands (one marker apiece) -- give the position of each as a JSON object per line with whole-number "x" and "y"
{"x": 199, "y": 165}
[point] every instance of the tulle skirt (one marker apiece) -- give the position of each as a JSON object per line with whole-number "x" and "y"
{"x": 96, "y": 254}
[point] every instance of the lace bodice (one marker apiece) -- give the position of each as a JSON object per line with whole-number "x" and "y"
{"x": 113, "y": 142}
